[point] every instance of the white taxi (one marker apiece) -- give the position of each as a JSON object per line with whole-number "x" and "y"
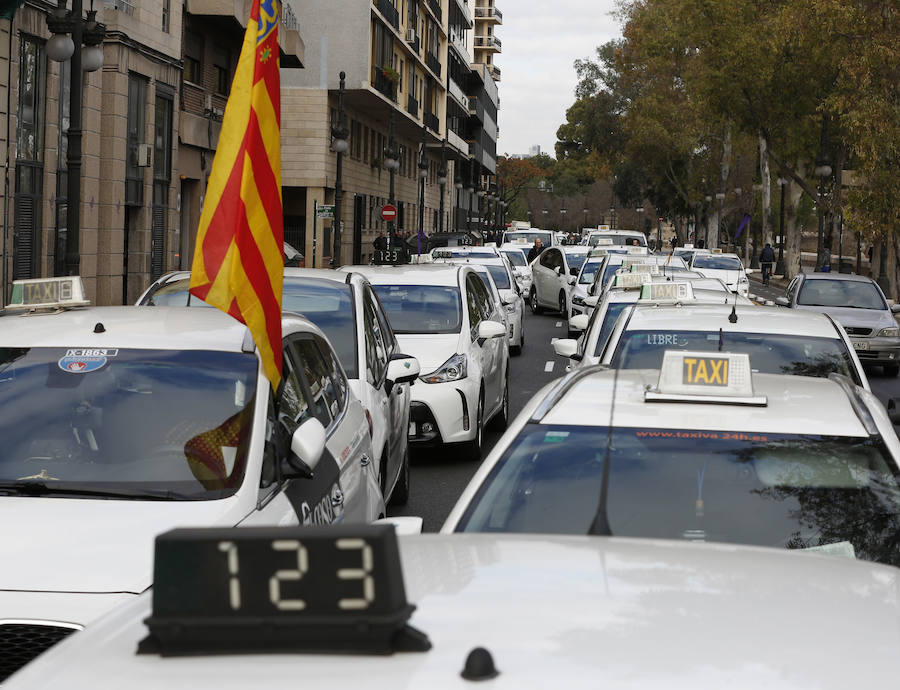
{"x": 668, "y": 265}
{"x": 698, "y": 449}
{"x": 726, "y": 267}
{"x": 445, "y": 317}
{"x": 778, "y": 341}
{"x": 554, "y": 273}
{"x": 647, "y": 601}
{"x": 518, "y": 259}
{"x": 348, "y": 311}
{"x": 122, "y": 422}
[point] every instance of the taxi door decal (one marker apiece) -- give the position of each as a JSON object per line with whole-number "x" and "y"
{"x": 312, "y": 498}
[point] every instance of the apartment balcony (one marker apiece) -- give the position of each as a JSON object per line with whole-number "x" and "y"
{"x": 476, "y": 109}
{"x": 433, "y": 63}
{"x": 464, "y": 11}
{"x": 457, "y": 92}
{"x": 389, "y": 12}
{"x": 293, "y": 51}
{"x": 459, "y": 44}
{"x": 487, "y": 43}
{"x": 412, "y": 107}
{"x": 494, "y": 71}
{"x": 432, "y": 122}
{"x": 491, "y": 14}
{"x": 386, "y": 87}
{"x": 435, "y": 7}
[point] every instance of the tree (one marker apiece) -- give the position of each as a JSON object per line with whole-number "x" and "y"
{"x": 514, "y": 176}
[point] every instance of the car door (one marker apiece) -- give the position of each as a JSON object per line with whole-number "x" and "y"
{"x": 547, "y": 277}
{"x": 399, "y": 398}
{"x": 376, "y": 361}
{"x": 491, "y": 347}
{"x": 478, "y": 350}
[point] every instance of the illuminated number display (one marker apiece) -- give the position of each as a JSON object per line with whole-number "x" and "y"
{"x": 335, "y": 587}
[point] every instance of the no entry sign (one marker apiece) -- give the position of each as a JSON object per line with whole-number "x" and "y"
{"x": 388, "y": 212}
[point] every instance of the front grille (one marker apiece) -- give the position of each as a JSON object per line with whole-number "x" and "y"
{"x": 22, "y": 642}
{"x": 866, "y": 354}
{"x": 853, "y": 330}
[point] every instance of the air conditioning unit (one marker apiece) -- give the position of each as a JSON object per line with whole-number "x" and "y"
{"x": 144, "y": 155}
{"x": 410, "y": 35}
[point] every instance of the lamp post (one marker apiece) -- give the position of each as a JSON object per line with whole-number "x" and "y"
{"x": 585, "y": 210}
{"x": 339, "y": 145}
{"x": 720, "y": 199}
{"x": 392, "y": 163}
{"x": 423, "y": 173}
{"x": 882, "y": 279}
{"x": 779, "y": 265}
{"x": 823, "y": 172}
{"x": 562, "y": 215}
{"x": 470, "y": 189}
{"x": 70, "y": 30}
{"x": 458, "y": 185}
{"x": 442, "y": 181}
{"x": 640, "y": 211}
{"x": 480, "y": 194}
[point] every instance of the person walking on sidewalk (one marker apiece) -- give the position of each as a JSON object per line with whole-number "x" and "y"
{"x": 767, "y": 261}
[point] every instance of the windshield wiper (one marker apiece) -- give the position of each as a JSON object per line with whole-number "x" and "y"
{"x": 35, "y": 488}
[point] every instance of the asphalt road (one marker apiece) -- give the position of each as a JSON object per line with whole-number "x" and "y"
{"x": 438, "y": 477}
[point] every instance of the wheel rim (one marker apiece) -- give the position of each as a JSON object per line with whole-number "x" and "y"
{"x": 479, "y": 432}
{"x": 562, "y": 305}
{"x": 533, "y": 299}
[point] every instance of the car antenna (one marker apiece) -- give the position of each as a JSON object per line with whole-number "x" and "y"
{"x": 732, "y": 317}
{"x": 600, "y": 523}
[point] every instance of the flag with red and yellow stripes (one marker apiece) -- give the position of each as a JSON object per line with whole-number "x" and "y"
{"x": 239, "y": 257}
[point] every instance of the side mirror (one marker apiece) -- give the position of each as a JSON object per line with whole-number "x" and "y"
{"x": 782, "y": 302}
{"x": 571, "y": 280}
{"x": 579, "y": 322}
{"x": 591, "y": 291}
{"x": 591, "y": 301}
{"x": 491, "y": 329}
{"x": 895, "y": 308}
{"x": 558, "y": 270}
{"x": 401, "y": 369}
{"x": 573, "y": 271}
{"x": 307, "y": 447}
{"x": 566, "y": 347}
{"x": 403, "y": 525}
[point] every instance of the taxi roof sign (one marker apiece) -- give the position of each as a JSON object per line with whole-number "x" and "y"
{"x": 599, "y": 251}
{"x": 638, "y": 250}
{"x": 630, "y": 281}
{"x": 649, "y": 269}
{"x": 668, "y": 292}
{"x": 632, "y": 260}
{"x": 705, "y": 377}
{"x": 47, "y": 293}
{"x": 604, "y": 241}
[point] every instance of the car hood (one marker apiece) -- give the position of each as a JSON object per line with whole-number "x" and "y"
{"x": 577, "y": 612}
{"x": 431, "y": 350}
{"x": 92, "y": 546}
{"x": 855, "y": 318}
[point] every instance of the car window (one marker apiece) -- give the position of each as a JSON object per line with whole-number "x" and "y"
{"x": 717, "y": 263}
{"x": 376, "y": 349}
{"x": 337, "y": 375}
{"x": 390, "y": 340}
{"x": 293, "y": 407}
{"x": 316, "y": 372}
{"x": 421, "y": 308}
{"x": 473, "y": 302}
{"x": 500, "y": 276}
{"x": 840, "y": 293}
{"x": 547, "y": 259}
{"x": 485, "y": 300}
{"x": 613, "y": 309}
{"x": 776, "y": 490}
{"x": 516, "y": 258}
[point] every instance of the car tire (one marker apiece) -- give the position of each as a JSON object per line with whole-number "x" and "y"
{"x": 533, "y": 302}
{"x": 563, "y": 308}
{"x": 401, "y": 489}
{"x": 472, "y": 449}
{"x": 501, "y": 419}
{"x": 892, "y": 370}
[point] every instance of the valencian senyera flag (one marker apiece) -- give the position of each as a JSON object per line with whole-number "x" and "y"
{"x": 238, "y": 260}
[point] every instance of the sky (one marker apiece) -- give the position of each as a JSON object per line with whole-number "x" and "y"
{"x": 541, "y": 41}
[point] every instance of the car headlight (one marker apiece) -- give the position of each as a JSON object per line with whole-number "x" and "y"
{"x": 889, "y": 332}
{"x": 453, "y": 369}
{"x": 579, "y": 300}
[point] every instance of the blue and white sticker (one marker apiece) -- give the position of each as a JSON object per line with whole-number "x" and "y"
{"x": 85, "y": 361}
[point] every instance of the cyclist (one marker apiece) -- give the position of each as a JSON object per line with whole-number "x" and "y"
{"x": 767, "y": 261}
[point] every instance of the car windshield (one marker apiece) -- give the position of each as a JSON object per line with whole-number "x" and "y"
{"x": 609, "y": 272}
{"x": 619, "y": 240}
{"x": 329, "y": 305}
{"x": 613, "y": 309}
{"x": 840, "y": 293}
{"x": 174, "y": 294}
{"x": 516, "y": 258}
{"x": 127, "y": 420}
{"x": 421, "y": 308}
{"x": 770, "y": 353}
{"x": 588, "y": 271}
{"x": 529, "y": 237}
{"x": 777, "y": 490}
{"x": 500, "y": 276}
{"x": 576, "y": 259}
{"x": 717, "y": 263}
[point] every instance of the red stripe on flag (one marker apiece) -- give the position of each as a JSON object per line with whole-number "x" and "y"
{"x": 264, "y": 176}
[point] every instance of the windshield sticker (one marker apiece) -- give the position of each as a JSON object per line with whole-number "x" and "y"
{"x": 663, "y": 339}
{"x": 704, "y": 435}
{"x": 555, "y": 436}
{"x": 85, "y": 361}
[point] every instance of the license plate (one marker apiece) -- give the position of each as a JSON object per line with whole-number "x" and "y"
{"x": 412, "y": 428}
{"x": 860, "y": 345}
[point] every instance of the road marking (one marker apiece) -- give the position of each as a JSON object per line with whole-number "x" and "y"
{"x": 559, "y": 324}
{"x": 548, "y": 367}
{"x": 553, "y": 340}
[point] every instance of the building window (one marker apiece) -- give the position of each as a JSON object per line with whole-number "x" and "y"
{"x": 32, "y": 74}
{"x": 162, "y": 173}
{"x": 193, "y": 57}
{"x": 134, "y": 172}
{"x": 62, "y": 176}
{"x": 166, "y": 12}
{"x": 222, "y": 70}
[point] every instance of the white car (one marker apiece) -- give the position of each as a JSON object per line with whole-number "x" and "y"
{"x": 525, "y": 238}
{"x": 554, "y": 273}
{"x": 349, "y": 313}
{"x": 122, "y": 422}
{"x": 700, "y": 450}
{"x": 584, "y": 280}
{"x": 445, "y": 317}
{"x": 578, "y": 612}
{"x": 504, "y": 283}
{"x": 518, "y": 259}
{"x": 778, "y": 341}
{"x": 667, "y": 265}
{"x": 617, "y": 238}
{"x": 726, "y": 267}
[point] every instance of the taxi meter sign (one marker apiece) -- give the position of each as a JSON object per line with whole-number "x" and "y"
{"x": 388, "y": 212}
{"x": 649, "y": 269}
{"x": 705, "y": 377}
{"x": 667, "y": 292}
{"x": 47, "y": 293}
{"x": 631, "y": 280}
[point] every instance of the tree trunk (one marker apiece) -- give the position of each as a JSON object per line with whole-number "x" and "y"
{"x": 792, "y": 245}
{"x": 766, "y": 181}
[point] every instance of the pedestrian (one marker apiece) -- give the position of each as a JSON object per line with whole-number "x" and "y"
{"x": 380, "y": 242}
{"x": 536, "y": 250}
{"x": 767, "y": 261}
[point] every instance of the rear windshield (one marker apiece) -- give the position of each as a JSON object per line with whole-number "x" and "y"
{"x": 576, "y": 259}
{"x": 530, "y": 237}
{"x": 835, "y": 494}
{"x": 620, "y": 240}
{"x": 421, "y": 308}
{"x": 840, "y": 293}
{"x": 770, "y": 353}
{"x": 717, "y": 263}
{"x": 516, "y": 258}
{"x": 500, "y": 276}
{"x": 329, "y": 305}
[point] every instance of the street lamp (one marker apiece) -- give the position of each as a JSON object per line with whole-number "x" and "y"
{"x": 585, "y": 210}
{"x": 779, "y": 265}
{"x": 423, "y": 173}
{"x": 470, "y": 188}
{"x": 80, "y": 39}
{"x": 392, "y": 163}
{"x": 457, "y": 185}
{"x": 823, "y": 172}
{"x": 339, "y": 145}
{"x": 442, "y": 181}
